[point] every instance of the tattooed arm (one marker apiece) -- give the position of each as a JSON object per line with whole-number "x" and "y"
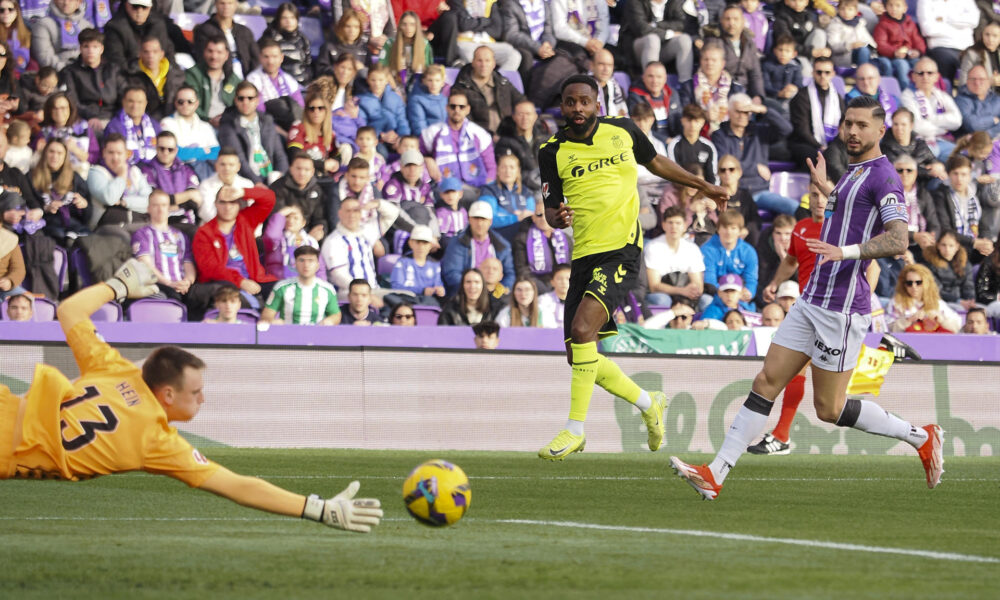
{"x": 892, "y": 242}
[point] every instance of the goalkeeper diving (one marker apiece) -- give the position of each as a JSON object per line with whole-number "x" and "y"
{"x": 115, "y": 418}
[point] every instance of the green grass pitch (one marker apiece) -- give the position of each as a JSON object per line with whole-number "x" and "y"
{"x": 601, "y": 526}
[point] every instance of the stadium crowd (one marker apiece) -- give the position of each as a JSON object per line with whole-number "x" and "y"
{"x": 344, "y": 162}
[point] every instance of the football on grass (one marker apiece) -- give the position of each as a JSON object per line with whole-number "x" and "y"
{"x": 437, "y": 493}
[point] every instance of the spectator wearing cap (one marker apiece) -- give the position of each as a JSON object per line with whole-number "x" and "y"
{"x": 787, "y": 294}
{"x": 55, "y": 37}
{"x": 419, "y": 274}
{"x": 473, "y": 246}
{"x": 408, "y": 184}
{"x": 452, "y": 219}
{"x": 459, "y": 148}
{"x": 301, "y": 188}
{"x": 134, "y": 21}
{"x": 725, "y": 253}
{"x": 727, "y": 298}
{"x": 20, "y": 308}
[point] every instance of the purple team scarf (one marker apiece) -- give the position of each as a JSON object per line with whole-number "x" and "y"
{"x": 69, "y": 32}
{"x": 543, "y": 259}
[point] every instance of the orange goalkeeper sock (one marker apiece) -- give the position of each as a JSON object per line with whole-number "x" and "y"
{"x": 794, "y": 392}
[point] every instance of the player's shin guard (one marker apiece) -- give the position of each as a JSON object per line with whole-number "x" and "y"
{"x": 747, "y": 426}
{"x": 794, "y": 392}
{"x": 611, "y": 378}
{"x": 585, "y": 363}
{"x": 872, "y": 418}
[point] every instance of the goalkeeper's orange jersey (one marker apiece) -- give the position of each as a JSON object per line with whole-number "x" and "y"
{"x": 107, "y": 421}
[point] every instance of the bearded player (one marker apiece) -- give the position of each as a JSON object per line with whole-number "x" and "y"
{"x": 865, "y": 219}
{"x": 115, "y": 417}
{"x": 589, "y": 179}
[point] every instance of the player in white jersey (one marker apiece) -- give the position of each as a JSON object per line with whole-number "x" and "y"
{"x": 865, "y": 219}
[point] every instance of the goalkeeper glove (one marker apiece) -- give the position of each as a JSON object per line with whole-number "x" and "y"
{"x": 344, "y": 511}
{"x": 133, "y": 280}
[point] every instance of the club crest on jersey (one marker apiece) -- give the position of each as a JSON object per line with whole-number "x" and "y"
{"x": 858, "y": 173}
{"x": 616, "y": 141}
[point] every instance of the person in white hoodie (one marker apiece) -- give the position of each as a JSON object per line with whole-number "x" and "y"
{"x": 934, "y": 111}
{"x": 948, "y": 27}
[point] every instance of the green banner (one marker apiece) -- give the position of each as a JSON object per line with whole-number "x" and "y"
{"x": 636, "y": 339}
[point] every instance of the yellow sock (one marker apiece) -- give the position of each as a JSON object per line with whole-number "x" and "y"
{"x": 611, "y": 378}
{"x": 585, "y": 361}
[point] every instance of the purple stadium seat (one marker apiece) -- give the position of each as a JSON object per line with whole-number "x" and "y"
{"x": 111, "y": 312}
{"x": 790, "y": 185}
{"x": 890, "y": 86}
{"x": 515, "y": 79}
{"x": 60, "y": 264}
{"x": 157, "y": 310}
{"x": 313, "y": 30}
{"x": 386, "y": 263}
{"x": 255, "y": 23}
{"x": 450, "y": 75}
{"x": 426, "y": 315}
{"x": 44, "y": 310}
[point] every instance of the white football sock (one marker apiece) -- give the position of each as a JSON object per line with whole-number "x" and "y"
{"x": 875, "y": 419}
{"x": 747, "y": 426}
{"x": 644, "y": 401}
{"x": 575, "y": 427}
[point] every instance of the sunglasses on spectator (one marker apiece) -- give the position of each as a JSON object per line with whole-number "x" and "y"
{"x": 7, "y": 10}
{"x": 904, "y": 170}
{"x": 925, "y": 72}
{"x": 458, "y": 106}
{"x": 823, "y": 72}
{"x": 183, "y": 101}
{"x": 728, "y": 169}
{"x": 317, "y": 108}
{"x": 914, "y": 282}
{"x": 166, "y": 149}
{"x": 246, "y": 98}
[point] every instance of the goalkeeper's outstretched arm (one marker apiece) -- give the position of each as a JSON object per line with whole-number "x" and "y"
{"x": 132, "y": 280}
{"x": 343, "y": 511}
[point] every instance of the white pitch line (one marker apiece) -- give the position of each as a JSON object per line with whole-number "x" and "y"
{"x": 626, "y": 478}
{"x": 755, "y": 538}
{"x": 742, "y": 537}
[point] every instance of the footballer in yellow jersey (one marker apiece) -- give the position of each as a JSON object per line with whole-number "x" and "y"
{"x": 589, "y": 174}
{"x": 115, "y": 418}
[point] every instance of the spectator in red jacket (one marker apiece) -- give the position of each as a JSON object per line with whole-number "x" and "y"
{"x": 225, "y": 250}
{"x": 899, "y": 42}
